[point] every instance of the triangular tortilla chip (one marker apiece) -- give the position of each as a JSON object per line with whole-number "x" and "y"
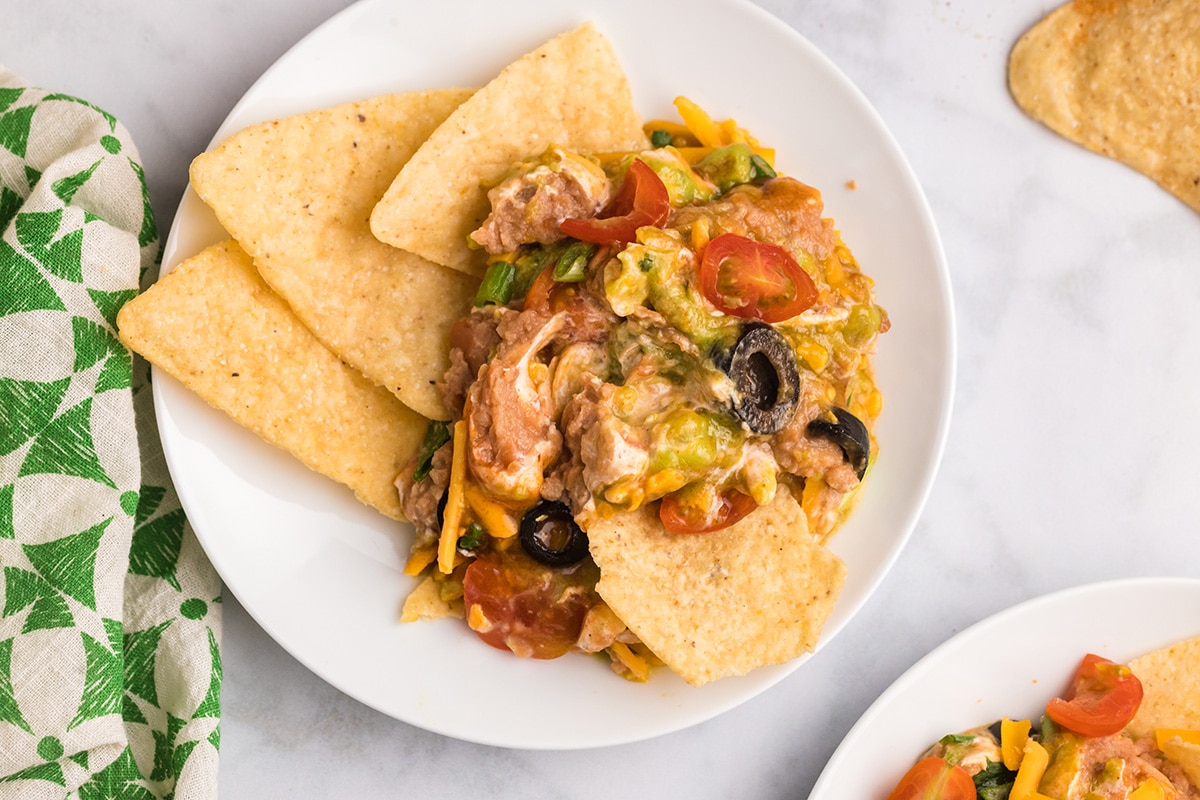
{"x": 214, "y": 325}
{"x": 1119, "y": 78}
{"x": 723, "y": 603}
{"x": 297, "y": 194}
{"x": 1170, "y": 680}
{"x": 571, "y": 91}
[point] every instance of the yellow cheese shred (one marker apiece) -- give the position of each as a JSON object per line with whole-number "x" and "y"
{"x": 639, "y": 669}
{"x": 497, "y": 520}
{"x": 418, "y": 560}
{"x": 1033, "y": 766}
{"x": 452, "y": 518}
{"x": 1164, "y": 735}
{"x": 1148, "y": 789}
{"x": 1013, "y": 736}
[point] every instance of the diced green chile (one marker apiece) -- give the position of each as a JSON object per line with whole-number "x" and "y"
{"x": 550, "y": 535}
{"x": 572, "y": 264}
{"x": 497, "y": 285}
{"x": 847, "y": 432}
{"x": 436, "y": 435}
{"x": 660, "y": 138}
{"x": 730, "y": 166}
{"x": 760, "y": 169}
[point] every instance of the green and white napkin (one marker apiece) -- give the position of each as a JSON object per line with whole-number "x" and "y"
{"x": 110, "y": 616}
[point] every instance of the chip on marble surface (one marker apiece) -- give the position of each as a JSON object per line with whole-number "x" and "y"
{"x": 570, "y": 92}
{"x": 1122, "y": 78}
{"x": 297, "y": 194}
{"x": 721, "y": 603}
{"x": 214, "y": 325}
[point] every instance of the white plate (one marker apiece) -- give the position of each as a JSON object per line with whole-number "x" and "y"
{"x": 1007, "y": 665}
{"x": 322, "y": 574}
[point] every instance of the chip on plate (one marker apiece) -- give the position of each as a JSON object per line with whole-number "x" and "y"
{"x": 1119, "y": 78}
{"x": 720, "y": 603}
{"x": 1170, "y": 679}
{"x": 214, "y": 325}
{"x": 571, "y": 92}
{"x": 297, "y": 194}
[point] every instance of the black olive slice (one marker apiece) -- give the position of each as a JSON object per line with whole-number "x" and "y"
{"x": 550, "y": 535}
{"x": 848, "y": 433}
{"x": 763, "y": 368}
{"x": 441, "y": 509}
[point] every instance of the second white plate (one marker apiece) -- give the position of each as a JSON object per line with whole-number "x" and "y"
{"x": 1010, "y": 665}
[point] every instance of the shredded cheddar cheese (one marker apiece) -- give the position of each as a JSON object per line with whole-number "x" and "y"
{"x": 452, "y": 518}
{"x": 638, "y": 668}
{"x": 499, "y": 522}
{"x": 1033, "y": 766}
{"x": 418, "y": 560}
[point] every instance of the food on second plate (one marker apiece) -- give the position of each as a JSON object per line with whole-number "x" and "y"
{"x": 1119, "y": 78}
{"x": 1118, "y": 732}
{"x": 666, "y": 341}
{"x": 214, "y": 325}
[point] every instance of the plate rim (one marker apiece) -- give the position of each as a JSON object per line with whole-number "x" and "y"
{"x": 945, "y": 391}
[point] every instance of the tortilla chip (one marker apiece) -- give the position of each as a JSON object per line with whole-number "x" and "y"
{"x": 1171, "y": 681}
{"x": 571, "y": 91}
{"x": 425, "y": 603}
{"x": 214, "y": 325}
{"x": 704, "y": 603}
{"x": 297, "y": 194}
{"x": 1186, "y": 755}
{"x": 1119, "y": 78}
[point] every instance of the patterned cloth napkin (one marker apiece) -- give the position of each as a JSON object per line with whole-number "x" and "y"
{"x": 110, "y": 616}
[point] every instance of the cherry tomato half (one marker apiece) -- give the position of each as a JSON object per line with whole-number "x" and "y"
{"x": 530, "y": 609}
{"x": 933, "y": 779}
{"x": 681, "y": 517}
{"x": 754, "y": 280}
{"x": 641, "y": 201}
{"x": 1102, "y": 699}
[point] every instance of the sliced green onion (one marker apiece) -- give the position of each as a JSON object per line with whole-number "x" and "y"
{"x": 497, "y": 286}
{"x": 530, "y": 264}
{"x": 572, "y": 264}
{"x": 660, "y": 138}
{"x": 760, "y": 168}
{"x": 472, "y": 538}
{"x": 436, "y": 435}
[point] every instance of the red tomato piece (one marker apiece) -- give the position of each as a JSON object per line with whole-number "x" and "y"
{"x": 754, "y": 280}
{"x": 642, "y": 201}
{"x": 532, "y": 610}
{"x": 680, "y": 517}
{"x": 1101, "y": 700}
{"x": 933, "y": 779}
{"x": 540, "y": 290}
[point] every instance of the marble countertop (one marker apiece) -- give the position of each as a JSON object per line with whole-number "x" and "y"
{"x": 1070, "y": 455}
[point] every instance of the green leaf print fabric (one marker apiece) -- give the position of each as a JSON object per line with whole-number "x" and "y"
{"x": 110, "y": 622}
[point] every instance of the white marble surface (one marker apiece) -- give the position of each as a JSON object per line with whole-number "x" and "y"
{"x": 1070, "y": 457}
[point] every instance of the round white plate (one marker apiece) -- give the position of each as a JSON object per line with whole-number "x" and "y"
{"x": 1007, "y": 665}
{"x": 322, "y": 574}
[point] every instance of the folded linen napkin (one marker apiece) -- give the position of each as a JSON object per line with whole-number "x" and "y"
{"x": 110, "y": 622}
